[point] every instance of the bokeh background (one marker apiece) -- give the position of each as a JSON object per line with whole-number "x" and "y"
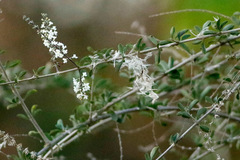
{"x": 83, "y": 23}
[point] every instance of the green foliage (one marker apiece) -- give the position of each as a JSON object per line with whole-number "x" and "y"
{"x": 158, "y": 81}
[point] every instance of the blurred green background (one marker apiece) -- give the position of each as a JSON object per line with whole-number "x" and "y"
{"x": 83, "y": 23}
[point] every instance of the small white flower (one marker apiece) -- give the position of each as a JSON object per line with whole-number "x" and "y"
{"x": 115, "y": 56}
{"x": 84, "y": 74}
{"x": 39, "y": 157}
{"x": 48, "y": 34}
{"x": 85, "y": 97}
{"x": 74, "y": 56}
{"x": 19, "y": 146}
{"x": 33, "y": 154}
{"x": 81, "y": 87}
{"x": 64, "y": 60}
{"x": 138, "y": 69}
{"x": 26, "y": 151}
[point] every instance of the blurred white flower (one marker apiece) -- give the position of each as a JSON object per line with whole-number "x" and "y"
{"x": 48, "y": 34}
{"x": 80, "y": 87}
{"x": 138, "y": 69}
{"x": 64, "y": 60}
{"x": 74, "y": 56}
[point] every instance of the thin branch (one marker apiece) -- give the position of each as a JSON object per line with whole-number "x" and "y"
{"x": 165, "y": 73}
{"x": 25, "y": 108}
{"x": 107, "y": 119}
{"x": 119, "y": 141}
{"x": 206, "y": 70}
{"x": 214, "y": 106}
{"x": 130, "y": 33}
{"x": 137, "y": 129}
{"x": 190, "y": 10}
{"x": 96, "y": 117}
{"x": 110, "y": 60}
{"x": 59, "y": 144}
{"x": 207, "y": 152}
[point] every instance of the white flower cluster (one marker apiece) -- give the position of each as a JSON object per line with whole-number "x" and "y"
{"x": 7, "y": 140}
{"x": 48, "y": 34}
{"x": 139, "y": 70}
{"x": 80, "y": 87}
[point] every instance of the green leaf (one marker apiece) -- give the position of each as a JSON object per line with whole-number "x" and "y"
{"x": 198, "y": 29}
{"x": 21, "y": 74}
{"x": 186, "y": 36}
{"x": 223, "y": 24}
{"x": 30, "y": 92}
{"x": 153, "y": 39}
{"x": 172, "y": 31}
{"x": 206, "y": 24}
{"x": 237, "y": 96}
{"x": 181, "y": 107}
{"x": 170, "y": 62}
{"x": 164, "y": 42}
{"x": 12, "y": 64}
{"x": 238, "y": 144}
{"x": 140, "y": 45}
{"x": 209, "y": 32}
{"x": 213, "y": 76}
{"x": 33, "y": 133}
{"x": 198, "y": 141}
{"x": 10, "y": 106}
{"x": 39, "y": 70}
{"x": 174, "y": 138}
{"x": 158, "y": 57}
{"x": 34, "y": 107}
{"x": 23, "y": 116}
{"x": 186, "y": 94}
{"x": 200, "y": 112}
{"x": 228, "y": 27}
{"x": 185, "y": 47}
{"x": 192, "y": 104}
{"x": 101, "y": 83}
{"x": 118, "y": 65}
{"x": 114, "y": 116}
{"x": 90, "y": 49}
{"x": 203, "y": 49}
{"x": 204, "y": 128}
{"x": 237, "y": 67}
{"x": 231, "y": 127}
{"x": 35, "y": 110}
{"x": 153, "y": 152}
{"x": 164, "y": 65}
{"x": 208, "y": 99}
{"x": 218, "y": 26}
{"x": 181, "y": 33}
{"x": 227, "y": 79}
{"x": 2, "y": 51}
{"x": 121, "y": 48}
{"x": 184, "y": 114}
{"x": 197, "y": 42}
{"x": 85, "y": 60}
{"x": 236, "y": 20}
{"x": 205, "y": 92}
{"x": 175, "y": 74}
{"x": 147, "y": 156}
{"x": 59, "y": 124}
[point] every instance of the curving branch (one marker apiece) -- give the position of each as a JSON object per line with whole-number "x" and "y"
{"x": 96, "y": 117}
{"x": 213, "y": 107}
{"x": 25, "y": 108}
{"x": 110, "y": 60}
{"x": 190, "y": 10}
{"x": 104, "y": 118}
